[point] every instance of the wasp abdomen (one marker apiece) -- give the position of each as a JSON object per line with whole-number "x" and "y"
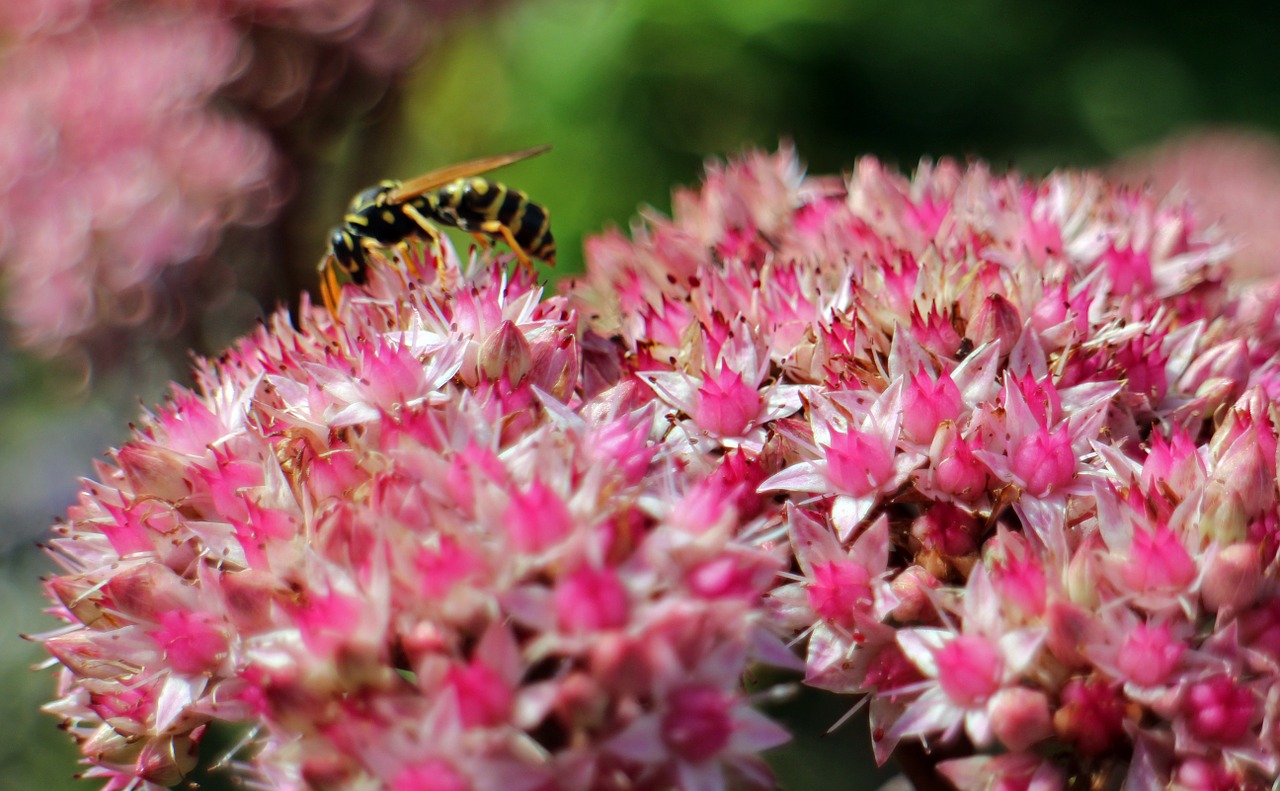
{"x": 480, "y": 205}
{"x": 534, "y": 233}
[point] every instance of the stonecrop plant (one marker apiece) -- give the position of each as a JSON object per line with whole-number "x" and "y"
{"x": 996, "y": 457}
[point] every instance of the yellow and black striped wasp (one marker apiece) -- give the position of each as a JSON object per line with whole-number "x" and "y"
{"x": 455, "y": 196}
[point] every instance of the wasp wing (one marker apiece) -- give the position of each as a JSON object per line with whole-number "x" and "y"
{"x": 438, "y": 178}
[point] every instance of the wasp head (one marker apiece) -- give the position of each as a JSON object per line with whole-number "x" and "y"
{"x": 346, "y": 250}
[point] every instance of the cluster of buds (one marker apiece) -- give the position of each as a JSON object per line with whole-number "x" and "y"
{"x": 998, "y": 455}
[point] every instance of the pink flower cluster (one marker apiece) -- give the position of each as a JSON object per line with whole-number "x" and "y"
{"x": 428, "y": 548}
{"x": 1026, "y": 444}
{"x": 999, "y": 455}
{"x": 132, "y": 134}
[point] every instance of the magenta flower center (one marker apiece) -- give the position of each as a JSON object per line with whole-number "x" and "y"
{"x": 538, "y": 518}
{"x": 969, "y": 670}
{"x": 726, "y": 404}
{"x": 193, "y": 642}
{"x": 591, "y": 600}
{"x": 1045, "y": 462}
{"x": 858, "y": 464}
{"x": 1158, "y": 561}
{"x": 484, "y": 698}
{"x": 697, "y": 725}
{"x": 840, "y": 590}
{"x": 1149, "y": 654}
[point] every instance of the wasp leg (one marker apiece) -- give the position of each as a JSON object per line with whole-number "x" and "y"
{"x": 330, "y": 290}
{"x": 431, "y": 232}
{"x": 495, "y": 228}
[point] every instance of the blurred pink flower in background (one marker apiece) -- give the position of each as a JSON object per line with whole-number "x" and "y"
{"x": 1233, "y": 176}
{"x": 119, "y": 167}
{"x": 134, "y": 134}
{"x": 997, "y": 455}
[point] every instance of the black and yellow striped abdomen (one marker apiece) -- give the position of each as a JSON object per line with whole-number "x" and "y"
{"x": 478, "y": 205}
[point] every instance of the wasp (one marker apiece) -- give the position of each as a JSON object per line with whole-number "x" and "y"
{"x": 456, "y": 196}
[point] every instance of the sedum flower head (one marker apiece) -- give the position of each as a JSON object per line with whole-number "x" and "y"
{"x": 1027, "y": 452}
{"x": 415, "y": 547}
{"x": 997, "y": 454}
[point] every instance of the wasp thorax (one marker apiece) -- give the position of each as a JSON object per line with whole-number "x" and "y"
{"x": 451, "y": 192}
{"x": 371, "y": 196}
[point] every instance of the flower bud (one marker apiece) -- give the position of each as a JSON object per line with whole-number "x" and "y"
{"x": 956, "y": 470}
{"x": 1232, "y": 577}
{"x": 997, "y": 321}
{"x": 1223, "y": 519}
{"x": 1020, "y": 717}
{"x": 505, "y": 354}
{"x": 912, "y": 588}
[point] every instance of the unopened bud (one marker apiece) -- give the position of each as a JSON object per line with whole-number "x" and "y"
{"x": 997, "y": 321}
{"x": 505, "y": 353}
{"x": 1020, "y": 717}
{"x": 1232, "y": 577}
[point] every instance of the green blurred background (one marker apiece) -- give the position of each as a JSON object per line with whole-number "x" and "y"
{"x": 634, "y": 94}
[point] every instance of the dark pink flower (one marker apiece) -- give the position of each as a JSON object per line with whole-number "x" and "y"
{"x": 1091, "y": 717}
{"x": 1219, "y": 710}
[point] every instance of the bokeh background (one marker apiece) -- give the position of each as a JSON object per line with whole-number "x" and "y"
{"x": 633, "y": 95}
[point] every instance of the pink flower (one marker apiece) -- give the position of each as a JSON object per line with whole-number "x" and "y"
{"x": 967, "y": 669}
{"x": 858, "y": 464}
{"x": 726, "y": 405}
{"x": 927, "y": 403}
{"x": 1091, "y": 717}
{"x": 1043, "y": 461}
{"x": 1219, "y": 710}
{"x": 1157, "y": 560}
{"x": 1150, "y": 654}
